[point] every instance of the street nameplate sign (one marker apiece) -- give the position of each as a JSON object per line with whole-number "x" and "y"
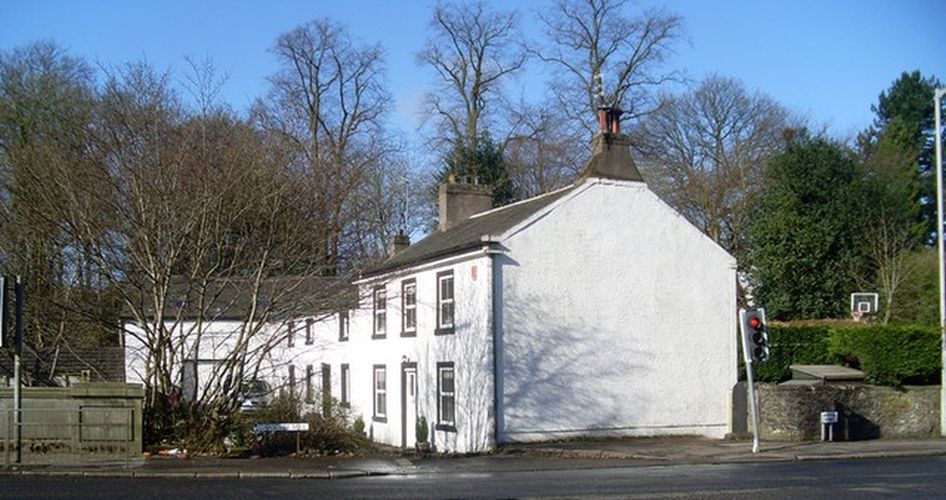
{"x": 285, "y": 427}
{"x": 829, "y": 417}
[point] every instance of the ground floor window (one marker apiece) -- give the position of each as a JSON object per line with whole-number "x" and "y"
{"x": 346, "y": 383}
{"x": 380, "y": 394}
{"x": 308, "y": 384}
{"x": 446, "y": 397}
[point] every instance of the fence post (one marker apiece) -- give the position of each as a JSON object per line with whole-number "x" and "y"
{"x": 75, "y": 424}
{"x": 6, "y": 438}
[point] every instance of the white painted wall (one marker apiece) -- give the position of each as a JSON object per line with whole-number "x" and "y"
{"x": 617, "y": 317}
{"x": 469, "y": 348}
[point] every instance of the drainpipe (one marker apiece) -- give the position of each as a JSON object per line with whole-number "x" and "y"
{"x": 491, "y": 318}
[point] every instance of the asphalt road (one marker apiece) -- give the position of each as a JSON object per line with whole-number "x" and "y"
{"x": 893, "y": 478}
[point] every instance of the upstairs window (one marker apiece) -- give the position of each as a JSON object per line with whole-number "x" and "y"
{"x": 343, "y": 326}
{"x": 409, "y": 308}
{"x": 291, "y": 335}
{"x": 445, "y": 303}
{"x": 308, "y": 332}
{"x": 380, "y": 312}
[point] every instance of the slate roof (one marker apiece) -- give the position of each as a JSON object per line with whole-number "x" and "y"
{"x": 232, "y": 298}
{"x": 42, "y": 366}
{"x": 468, "y": 234}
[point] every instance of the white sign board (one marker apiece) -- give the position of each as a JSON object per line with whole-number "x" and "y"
{"x": 287, "y": 427}
{"x": 829, "y": 417}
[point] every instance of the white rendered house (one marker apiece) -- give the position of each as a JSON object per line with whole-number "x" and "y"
{"x": 592, "y": 310}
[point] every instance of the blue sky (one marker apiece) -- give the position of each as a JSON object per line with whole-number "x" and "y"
{"x": 827, "y": 60}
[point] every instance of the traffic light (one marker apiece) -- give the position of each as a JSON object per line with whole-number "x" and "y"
{"x": 754, "y": 334}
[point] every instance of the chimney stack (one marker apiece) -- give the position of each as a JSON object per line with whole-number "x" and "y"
{"x": 461, "y": 200}
{"x": 611, "y": 150}
{"x": 399, "y": 242}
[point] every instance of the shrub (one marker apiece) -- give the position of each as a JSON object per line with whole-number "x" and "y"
{"x": 330, "y": 435}
{"x": 420, "y": 431}
{"x": 890, "y": 355}
{"x": 788, "y": 345}
{"x": 358, "y": 427}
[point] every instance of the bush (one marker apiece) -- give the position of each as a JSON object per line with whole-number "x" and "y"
{"x": 891, "y": 355}
{"x": 788, "y": 345}
{"x": 420, "y": 430}
{"x": 888, "y": 355}
{"x": 331, "y": 435}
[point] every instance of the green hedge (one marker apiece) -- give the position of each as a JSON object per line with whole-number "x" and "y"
{"x": 891, "y": 355}
{"x": 807, "y": 345}
{"x": 888, "y": 355}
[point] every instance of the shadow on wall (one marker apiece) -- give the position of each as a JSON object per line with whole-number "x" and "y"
{"x": 558, "y": 370}
{"x": 470, "y": 350}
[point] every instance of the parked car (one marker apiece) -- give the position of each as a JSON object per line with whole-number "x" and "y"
{"x": 255, "y": 395}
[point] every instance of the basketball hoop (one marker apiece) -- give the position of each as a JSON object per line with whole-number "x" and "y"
{"x": 858, "y": 315}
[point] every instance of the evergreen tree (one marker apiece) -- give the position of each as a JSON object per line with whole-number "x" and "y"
{"x": 905, "y": 121}
{"x": 483, "y": 161}
{"x": 805, "y": 235}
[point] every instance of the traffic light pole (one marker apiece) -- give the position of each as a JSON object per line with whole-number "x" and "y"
{"x": 752, "y": 405}
{"x": 752, "y": 323}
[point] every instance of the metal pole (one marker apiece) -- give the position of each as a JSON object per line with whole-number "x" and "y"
{"x": 748, "y": 360}
{"x": 752, "y": 406}
{"x": 937, "y": 106}
{"x": 17, "y": 375}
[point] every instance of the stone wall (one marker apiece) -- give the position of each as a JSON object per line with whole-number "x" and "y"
{"x": 88, "y": 422}
{"x": 793, "y": 412}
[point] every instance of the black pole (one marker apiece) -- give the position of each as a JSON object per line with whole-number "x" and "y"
{"x": 3, "y": 311}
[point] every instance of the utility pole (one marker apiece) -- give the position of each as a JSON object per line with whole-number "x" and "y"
{"x": 941, "y": 278}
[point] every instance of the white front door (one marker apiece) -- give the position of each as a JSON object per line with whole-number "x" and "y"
{"x": 408, "y": 404}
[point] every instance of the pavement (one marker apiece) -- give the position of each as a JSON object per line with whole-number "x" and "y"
{"x": 577, "y": 454}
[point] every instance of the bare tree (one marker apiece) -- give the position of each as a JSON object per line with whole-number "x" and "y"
{"x": 603, "y": 57}
{"x": 391, "y": 201}
{"x": 46, "y": 107}
{"x": 542, "y": 154}
{"x": 703, "y": 152}
{"x": 473, "y": 50}
{"x": 325, "y": 108}
{"x": 891, "y": 227}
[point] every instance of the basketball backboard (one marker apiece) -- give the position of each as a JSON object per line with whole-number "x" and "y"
{"x": 864, "y": 303}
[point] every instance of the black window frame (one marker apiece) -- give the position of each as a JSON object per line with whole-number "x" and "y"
{"x": 292, "y": 381}
{"x": 343, "y": 326}
{"x": 375, "y": 334}
{"x": 309, "y": 392}
{"x": 440, "y": 328}
{"x": 309, "y": 338}
{"x": 291, "y": 325}
{"x": 374, "y": 393}
{"x": 404, "y": 285}
{"x": 441, "y": 425}
{"x": 345, "y": 383}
